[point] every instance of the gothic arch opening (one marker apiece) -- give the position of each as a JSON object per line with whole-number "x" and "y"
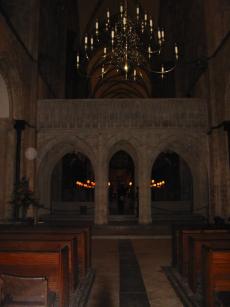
{"x": 121, "y": 185}
{"x": 171, "y": 185}
{"x": 72, "y": 185}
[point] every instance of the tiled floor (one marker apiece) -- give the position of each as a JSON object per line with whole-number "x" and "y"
{"x": 151, "y": 255}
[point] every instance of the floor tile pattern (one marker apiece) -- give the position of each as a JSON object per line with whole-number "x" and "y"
{"x": 151, "y": 255}
{"x": 132, "y": 288}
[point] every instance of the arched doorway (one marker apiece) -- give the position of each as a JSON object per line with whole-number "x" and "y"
{"x": 72, "y": 186}
{"x": 121, "y": 185}
{"x": 171, "y": 185}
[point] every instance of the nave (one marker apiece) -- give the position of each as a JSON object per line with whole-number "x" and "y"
{"x": 72, "y": 264}
{"x": 148, "y": 287}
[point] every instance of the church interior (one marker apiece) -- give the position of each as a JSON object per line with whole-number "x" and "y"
{"x": 115, "y": 153}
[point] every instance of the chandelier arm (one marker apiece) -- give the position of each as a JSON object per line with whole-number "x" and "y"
{"x": 165, "y": 71}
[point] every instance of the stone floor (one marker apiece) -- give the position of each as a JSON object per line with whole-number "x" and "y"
{"x": 151, "y": 254}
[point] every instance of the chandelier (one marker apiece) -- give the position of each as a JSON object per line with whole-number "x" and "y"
{"x": 126, "y": 46}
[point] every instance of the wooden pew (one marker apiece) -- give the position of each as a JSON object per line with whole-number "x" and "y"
{"x": 183, "y": 250}
{"x": 177, "y": 236}
{"x": 86, "y": 226}
{"x": 39, "y": 242}
{"x": 215, "y": 273}
{"x": 195, "y": 253}
{"x": 52, "y": 264}
{"x": 83, "y": 236}
{"x": 175, "y": 230}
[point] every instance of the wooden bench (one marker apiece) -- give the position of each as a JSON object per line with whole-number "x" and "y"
{"x": 195, "y": 253}
{"x": 177, "y": 236}
{"x": 24, "y": 291}
{"x": 52, "y": 264}
{"x": 87, "y": 227}
{"x": 83, "y": 236}
{"x": 39, "y": 242}
{"x": 215, "y": 273}
{"x": 183, "y": 250}
{"x": 175, "y": 230}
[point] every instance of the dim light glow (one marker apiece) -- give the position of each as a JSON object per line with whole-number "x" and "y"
{"x": 157, "y": 184}
{"x": 87, "y": 185}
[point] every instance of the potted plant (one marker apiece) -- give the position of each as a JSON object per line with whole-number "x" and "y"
{"x": 22, "y": 199}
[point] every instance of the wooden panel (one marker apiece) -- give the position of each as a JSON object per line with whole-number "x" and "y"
{"x": 25, "y": 243}
{"x": 51, "y": 264}
{"x": 215, "y": 272}
{"x": 195, "y": 252}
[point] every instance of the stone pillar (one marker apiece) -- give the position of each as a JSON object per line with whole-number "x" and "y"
{"x": 219, "y": 173}
{"x": 145, "y": 212}
{"x": 9, "y": 170}
{"x": 3, "y": 142}
{"x": 215, "y": 175}
{"x": 101, "y": 190}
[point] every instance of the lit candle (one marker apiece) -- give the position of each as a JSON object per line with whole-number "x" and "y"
{"x": 146, "y": 17}
{"x": 86, "y": 41}
{"x": 105, "y": 51}
{"x": 162, "y": 71}
{"x": 112, "y": 34}
{"x": 142, "y": 27}
{"x": 163, "y": 34}
{"x": 151, "y": 23}
{"x": 97, "y": 25}
{"x": 159, "y": 34}
{"x": 91, "y": 42}
{"x": 176, "y": 51}
{"x": 124, "y": 21}
{"x": 108, "y": 13}
{"x": 78, "y": 60}
{"x": 121, "y": 9}
{"x": 138, "y": 10}
{"x": 134, "y": 74}
{"x": 149, "y": 51}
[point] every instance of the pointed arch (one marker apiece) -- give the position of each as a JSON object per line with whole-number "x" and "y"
{"x": 51, "y": 154}
{"x": 197, "y": 163}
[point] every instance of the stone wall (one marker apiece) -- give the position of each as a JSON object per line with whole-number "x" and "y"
{"x": 18, "y": 72}
{"x": 215, "y": 81}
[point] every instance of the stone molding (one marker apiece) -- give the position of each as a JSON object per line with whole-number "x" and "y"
{"x": 122, "y": 113}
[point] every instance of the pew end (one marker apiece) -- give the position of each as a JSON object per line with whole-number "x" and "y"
{"x": 25, "y": 291}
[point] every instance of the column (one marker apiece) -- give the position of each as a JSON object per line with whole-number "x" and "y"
{"x": 3, "y": 141}
{"x": 145, "y": 212}
{"x": 101, "y": 190}
{"x": 215, "y": 175}
{"x": 9, "y": 177}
